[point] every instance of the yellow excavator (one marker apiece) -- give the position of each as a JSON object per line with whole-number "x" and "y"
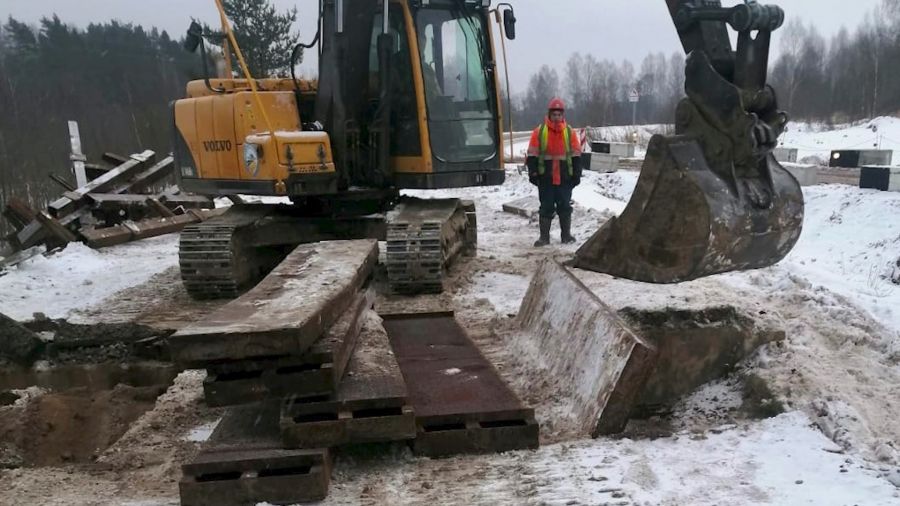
{"x": 407, "y": 97}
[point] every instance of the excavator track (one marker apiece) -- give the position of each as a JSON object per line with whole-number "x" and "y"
{"x": 423, "y": 238}
{"x": 214, "y": 263}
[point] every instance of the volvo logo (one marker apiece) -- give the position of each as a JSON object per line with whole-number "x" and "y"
{"x": 216, "y": 146}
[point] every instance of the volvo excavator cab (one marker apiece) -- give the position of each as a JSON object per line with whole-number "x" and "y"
{"x": 406, "y": 97}
{"x": 712, "y": 198}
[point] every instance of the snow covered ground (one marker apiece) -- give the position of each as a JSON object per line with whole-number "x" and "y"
{"x": 818, "y": 140}
{"x": 838, "y": 371}
{"x": 79, "y": 277}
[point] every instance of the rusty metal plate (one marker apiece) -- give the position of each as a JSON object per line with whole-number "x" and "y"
{"x": 461, "y": 403}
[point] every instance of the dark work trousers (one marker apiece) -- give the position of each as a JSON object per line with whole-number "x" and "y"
{"x": 555, "y": 199}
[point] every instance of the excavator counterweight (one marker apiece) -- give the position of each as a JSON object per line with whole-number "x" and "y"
{"x": 711, "y": 198}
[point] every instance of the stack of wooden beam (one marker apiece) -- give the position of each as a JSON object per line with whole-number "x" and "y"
{"x": 117, "y": 206}
{"x": 303, "y": 357}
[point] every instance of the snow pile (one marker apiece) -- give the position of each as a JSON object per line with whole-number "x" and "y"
{"x": 79, "y": 276}
{"x": 850, "y": 245}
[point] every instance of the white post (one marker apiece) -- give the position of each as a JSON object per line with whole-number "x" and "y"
{"x": 77, "y": 156}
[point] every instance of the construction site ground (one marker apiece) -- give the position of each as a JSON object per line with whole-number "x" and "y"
{"x": 811, "y": 419}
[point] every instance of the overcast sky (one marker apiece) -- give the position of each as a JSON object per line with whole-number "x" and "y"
{"x": 549, "y": 31}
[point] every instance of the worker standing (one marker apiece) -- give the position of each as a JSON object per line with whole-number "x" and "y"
{"x": 554, "y": 165}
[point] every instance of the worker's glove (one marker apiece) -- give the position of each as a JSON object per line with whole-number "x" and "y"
{"x": 532, "y": 163}
{"x": 576, "y": 171}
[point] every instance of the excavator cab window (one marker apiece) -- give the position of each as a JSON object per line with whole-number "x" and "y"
{"x": 458, "y": 94}
{"x": 404, "y": 118}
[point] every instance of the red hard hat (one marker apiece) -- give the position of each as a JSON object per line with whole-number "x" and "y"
{"x": 556, "y": 103}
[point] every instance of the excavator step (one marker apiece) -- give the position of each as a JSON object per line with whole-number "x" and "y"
{"x": 317, "y": 372}
{"x": 370, "y": 406}
{"x": 244, "y": 464}
{"x": 461, "y": 403}
{"x": 288, "y": 311}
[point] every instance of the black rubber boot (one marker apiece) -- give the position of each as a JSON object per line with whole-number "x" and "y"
{"x": 545, "y": 232}
{"x": 565, "y": 225}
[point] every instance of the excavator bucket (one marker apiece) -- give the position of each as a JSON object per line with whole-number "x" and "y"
{"x": 684, "y": 221}
{"x": 711, "y": 198}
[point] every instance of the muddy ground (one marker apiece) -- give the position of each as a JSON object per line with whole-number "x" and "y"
{"x": 829, "y": 367}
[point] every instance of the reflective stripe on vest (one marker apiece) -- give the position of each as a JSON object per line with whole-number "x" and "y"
{"x": 544, "y": 137}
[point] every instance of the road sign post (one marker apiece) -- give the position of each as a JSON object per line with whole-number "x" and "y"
{"x": 634, "y": 97}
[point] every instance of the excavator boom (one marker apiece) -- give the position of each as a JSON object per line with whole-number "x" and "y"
{"x": 711, "y": 198}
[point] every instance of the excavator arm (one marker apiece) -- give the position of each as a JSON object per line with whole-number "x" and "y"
{"x": 711, "y": 198}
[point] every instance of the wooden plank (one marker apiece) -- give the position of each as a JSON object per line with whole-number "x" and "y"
{"x": 20, "y": 256}
{"x": 32, "y": 235}
{"x": 76, "y": 156}
{"x": 114, "y": 158}
{"x": 62, "y": 182}
{"x": 55, "y": 228}
{"x": 147, "y": 178}
{"x": 18, "y": 213}
{"x": 125, "y": 199}
{"x": 315, "y": 373}
{"x": 127, "y": 232}
{"x": 162, "y": 210}
{"x": 567, "y": 331}
{"x": 370, "y": 405}
{"x": 68, "y": 204}
{"x": 186, "y": 201}
{"x": 287, "y": 311}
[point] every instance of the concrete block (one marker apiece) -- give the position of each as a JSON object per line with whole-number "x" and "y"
{"x": 602, "y": 162}
{"x": 806, "y": 175}
{"x": 621, "y": 149}
{"x": 852, "y": 158}
{"x": 880, "y": 178}
{"x": 786, "y": 155}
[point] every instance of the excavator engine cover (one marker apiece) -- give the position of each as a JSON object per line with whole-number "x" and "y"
{"x": 711, "y": 198}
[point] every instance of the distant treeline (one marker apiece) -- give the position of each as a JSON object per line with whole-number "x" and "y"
{"x": 115, "y": 79}
{"x": 853, "y": 76}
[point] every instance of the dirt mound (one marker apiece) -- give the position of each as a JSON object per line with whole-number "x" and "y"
{"x": 45, "y": 429}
